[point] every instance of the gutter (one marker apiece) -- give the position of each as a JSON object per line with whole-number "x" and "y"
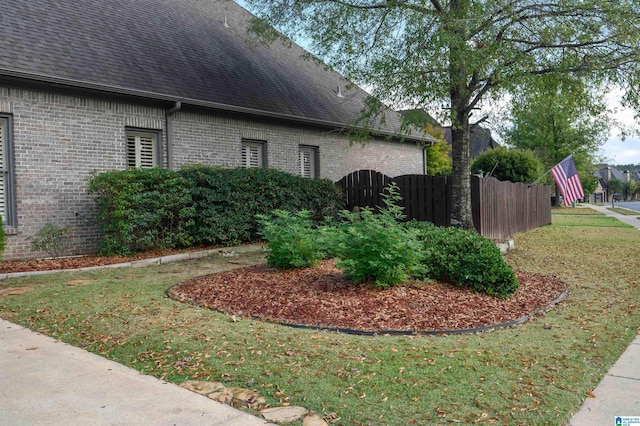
{"x": 169, "y": 126}
{"x": 67, "y": 82}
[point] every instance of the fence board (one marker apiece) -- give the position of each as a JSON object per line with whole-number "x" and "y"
{"x": 500, "y": 209}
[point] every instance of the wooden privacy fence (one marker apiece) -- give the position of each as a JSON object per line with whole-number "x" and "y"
{"x": 500, "y": 209}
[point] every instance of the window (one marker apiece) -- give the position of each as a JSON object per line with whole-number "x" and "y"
{"x": 253, "y": 154}
{"x": 308, "y": 156}
{"x": 142, "y": 148}
{"x": 7, "y": 204}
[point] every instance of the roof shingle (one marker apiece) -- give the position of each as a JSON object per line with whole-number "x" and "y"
{"x": 189, "y": 50}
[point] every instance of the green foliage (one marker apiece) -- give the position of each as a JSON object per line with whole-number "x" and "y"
{"x": 615, "y": 186}
{"x": 228, "y": 201}
{"x": 382, "y": 248}
{"x": 514, "y": 165}
{"x": 491, "y": 48}
{"x": 467, "y": 259}
{"x": 438, "y": 159}
{"x": 146, "y": 209}
{"x": 556, "y": 116}
{"x": 3, "y": 241}
{"x": 292, "y": 240}
{"x": 142, "y": 209}
{"x": 378, "y": 246}
{"x": 52, "y": 239}
{"x": 589, "y": 183}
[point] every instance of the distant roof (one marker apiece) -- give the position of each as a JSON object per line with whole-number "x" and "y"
{"x": 481, "y": 138}
{"x": 189, "y": 50}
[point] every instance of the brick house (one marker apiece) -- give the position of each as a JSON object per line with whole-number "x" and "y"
{"x": 95, "y": 85}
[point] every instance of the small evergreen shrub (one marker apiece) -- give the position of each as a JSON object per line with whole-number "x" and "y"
{"x": 52, "y": 239}
{"x": 467, "y": 259}
{"x": 142, "y": 209}
{"x": 378, "y": 246}
{"x": 291, "y": 238}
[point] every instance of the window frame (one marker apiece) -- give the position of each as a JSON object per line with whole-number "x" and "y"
{"x": 315, "y": 161}
{"x": 9, "y": 219}
{"x": 156, "y": 135}
{"x": 262, "y": 155}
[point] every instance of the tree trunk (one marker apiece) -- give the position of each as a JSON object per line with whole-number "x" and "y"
{"x": 461, "y": 214}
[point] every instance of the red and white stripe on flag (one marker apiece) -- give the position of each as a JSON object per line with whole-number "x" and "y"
{"x": 567, "y": 179}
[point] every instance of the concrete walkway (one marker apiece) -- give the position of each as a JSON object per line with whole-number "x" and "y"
{"x": 47, "y": 382}
{"x": 618, "y": 394}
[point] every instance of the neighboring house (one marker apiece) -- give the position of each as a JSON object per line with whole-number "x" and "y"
{"x": 480, "y": 138}
{"x": 93, "y": 85}
{"x": 603, "y": 194}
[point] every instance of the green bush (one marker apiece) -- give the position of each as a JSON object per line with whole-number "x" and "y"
{"x": 146, "y": 209}
{"x": 514, "y": 165}
{"x": 229, "y": 200}
{"x": 52, "y": 239}
{"x": 3, "y": 241}
{"x": 465, "y": 258}
{"x": 142, "y": 209}
{"x": 379, "y": 246}
{"x": 292, "y": 239}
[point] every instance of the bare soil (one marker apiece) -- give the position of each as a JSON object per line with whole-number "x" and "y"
{"x": 323, "y": 297}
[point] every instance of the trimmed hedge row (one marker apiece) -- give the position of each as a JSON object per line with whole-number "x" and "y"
{"x": 147, "y": 209}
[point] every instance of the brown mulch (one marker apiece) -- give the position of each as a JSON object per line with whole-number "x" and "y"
{"x": 321, "y": 296}
{"x": 76, "y": 262}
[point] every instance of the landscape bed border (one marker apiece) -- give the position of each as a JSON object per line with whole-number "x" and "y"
{"x": 358, "y": 332}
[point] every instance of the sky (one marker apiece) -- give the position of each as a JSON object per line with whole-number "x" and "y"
{"x": 616, "y": 150}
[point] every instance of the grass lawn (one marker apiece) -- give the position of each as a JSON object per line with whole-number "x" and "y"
{"x": 536, "y": 373}
{"x": 621, "y": 210}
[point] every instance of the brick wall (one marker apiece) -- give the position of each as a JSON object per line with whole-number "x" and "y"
{"x": 61, "y": 140}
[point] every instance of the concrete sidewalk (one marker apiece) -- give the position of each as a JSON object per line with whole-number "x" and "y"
{"x": 618, "y": 394}
{"x": 47, "y": 382}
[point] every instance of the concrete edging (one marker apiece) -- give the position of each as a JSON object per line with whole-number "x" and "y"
{"x": 144, "y": 262}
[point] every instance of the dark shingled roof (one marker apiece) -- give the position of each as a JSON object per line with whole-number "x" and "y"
{"x": 189, "y": 50}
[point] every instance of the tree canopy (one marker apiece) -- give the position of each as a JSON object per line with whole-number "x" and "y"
{"x": 458, "y": 53}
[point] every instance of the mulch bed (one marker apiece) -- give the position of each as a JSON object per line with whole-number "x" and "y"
{"x": 76, "y": 262}
{"x": 322, "y": 296}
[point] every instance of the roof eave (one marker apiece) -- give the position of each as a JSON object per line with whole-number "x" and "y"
{"x": 71, "y": 83}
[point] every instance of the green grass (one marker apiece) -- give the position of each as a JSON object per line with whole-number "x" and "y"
{"x": 621, "y": 210}
{"x": 582, "y": 211}
{"x": 537, "y": 373}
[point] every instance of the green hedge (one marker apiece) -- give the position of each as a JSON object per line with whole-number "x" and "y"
{"x": 142, "y": 209}
{"x": 228, "y": 200}
{"x": 145, "y": 209}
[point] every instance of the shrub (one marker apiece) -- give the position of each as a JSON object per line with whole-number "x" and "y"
{"x": 378, "y": 246}
{"x": 3, "y": 241}
{"x": 291, "y": 239}
{"x": 142, "y": 209}
{"x": 467, "y": 259}
{"x": 229, "y": 200}
{"x": 52, "y": 239}
{"x": 515, "y": 165}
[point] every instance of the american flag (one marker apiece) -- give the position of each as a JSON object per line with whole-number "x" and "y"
{"x": 567, "y": 179}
